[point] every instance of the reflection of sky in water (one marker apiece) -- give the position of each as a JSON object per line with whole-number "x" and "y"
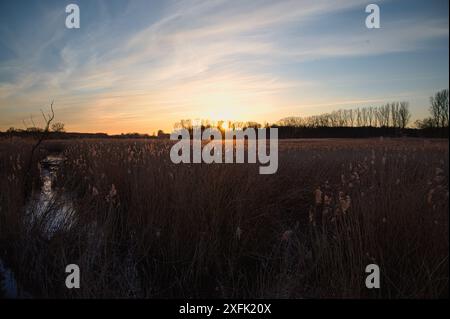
{"x": 8, "y": 283}
{"x": 50, "y": 207}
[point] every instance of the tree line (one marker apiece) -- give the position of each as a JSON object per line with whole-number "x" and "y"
{"x": 390, "y": 115}
{"x": 395, "y": 114}
{"x": 390, "y": 119}
{"x": 439, "y": 112}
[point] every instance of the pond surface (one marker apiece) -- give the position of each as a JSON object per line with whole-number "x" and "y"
{"x": 49, "y": 207}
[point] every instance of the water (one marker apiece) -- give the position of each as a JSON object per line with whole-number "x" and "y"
{"x": 8, "y": 284}
{"x": 51, "y": 209}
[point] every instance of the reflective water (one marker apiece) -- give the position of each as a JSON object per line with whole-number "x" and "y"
{"x": 50, "y": 209}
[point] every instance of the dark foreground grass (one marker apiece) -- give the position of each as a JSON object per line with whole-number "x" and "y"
{"x": 144, "y": 227}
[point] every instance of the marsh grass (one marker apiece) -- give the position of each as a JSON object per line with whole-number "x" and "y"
{"x": 145, "y": 227}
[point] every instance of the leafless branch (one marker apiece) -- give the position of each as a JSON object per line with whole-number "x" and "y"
{"x": 48, "y": 119}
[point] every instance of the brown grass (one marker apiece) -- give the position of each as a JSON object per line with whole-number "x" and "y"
{"x": 145, "y": 227}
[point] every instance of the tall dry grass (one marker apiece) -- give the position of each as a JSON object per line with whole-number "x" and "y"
{"x": 144, "y": 227}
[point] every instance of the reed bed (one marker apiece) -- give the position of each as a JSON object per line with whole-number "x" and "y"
{"x": 143, "y": 227}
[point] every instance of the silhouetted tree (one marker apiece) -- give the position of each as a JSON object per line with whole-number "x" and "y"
{"x": 404, "y": 114}
{"x": 58, "y": 127}
{"x": 439, "y": 108}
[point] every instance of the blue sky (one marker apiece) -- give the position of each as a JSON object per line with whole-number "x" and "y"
{"x": 137, "y": 66}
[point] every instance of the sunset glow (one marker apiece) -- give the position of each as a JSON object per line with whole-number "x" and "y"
{"x": 144, "y": 65}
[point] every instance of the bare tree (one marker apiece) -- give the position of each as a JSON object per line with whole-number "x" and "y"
{"x": 384, "y": 112}
{"x": 58, "y": 127}
{"x": 43, "y": 134}
{"x": 364, "y": 116}
{"x": 394, "y": 114}
{"x": 439, "y": 108}
{"x": 351, "y": 116}
{"x": 358, "y": 117}
{"x": 404, "y": 114}
{"x": 370, "y": 115}
{"x": 379, "y": 116}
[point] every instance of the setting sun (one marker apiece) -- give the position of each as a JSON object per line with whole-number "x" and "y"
{"x": 225, "y": 125}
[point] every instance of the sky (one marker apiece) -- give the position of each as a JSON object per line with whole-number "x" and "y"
{"x": 140, "y": 66}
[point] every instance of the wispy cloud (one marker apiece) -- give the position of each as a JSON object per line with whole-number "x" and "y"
{"x": 193, "y": 59}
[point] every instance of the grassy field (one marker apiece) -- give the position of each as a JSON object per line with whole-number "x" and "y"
{"x": 141, "y": 226}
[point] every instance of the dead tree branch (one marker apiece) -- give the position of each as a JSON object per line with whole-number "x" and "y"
{"x": 48, "y": 119}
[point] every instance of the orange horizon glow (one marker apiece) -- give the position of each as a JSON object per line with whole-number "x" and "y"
{"x": 248, "y": 61}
